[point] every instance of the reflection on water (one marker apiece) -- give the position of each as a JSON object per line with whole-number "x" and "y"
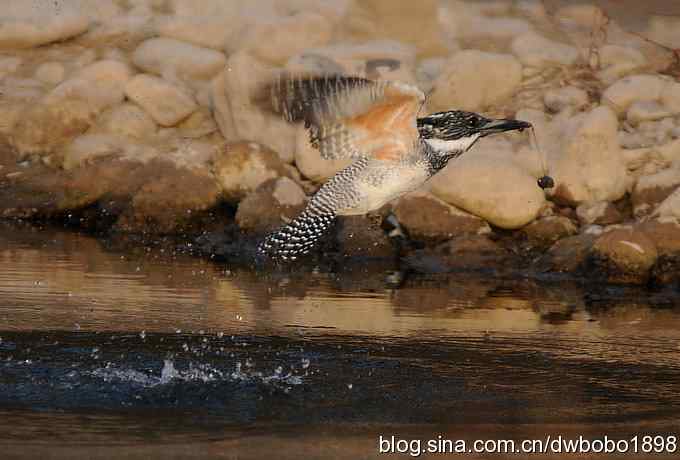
{"x": 99, "y": 346}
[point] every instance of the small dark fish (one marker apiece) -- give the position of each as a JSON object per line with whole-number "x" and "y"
{"x": 546, "y": 182}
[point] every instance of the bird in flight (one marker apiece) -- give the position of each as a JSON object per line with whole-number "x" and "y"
{"x": 375, "y": 123}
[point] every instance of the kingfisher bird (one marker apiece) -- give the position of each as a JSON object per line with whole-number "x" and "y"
{"x": 375, "y": 123}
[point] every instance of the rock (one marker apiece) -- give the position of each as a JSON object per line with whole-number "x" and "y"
{"x": 580, "y": 14}
{"x": 473, "y": 80}
{"x": 236, "y": 114}
{"x": 547, "y": 230}
{"x": 174, "y": 59}
{"x": 640, "y": 111}
{"x": 666, "y": 236}
{"x": 670, "y": 97}
{"x": 651, "y": 190}
{"x": 401, "y": 20}
{"x": 163, "y": 206}
{"x": 428, "y": 218}
{"x": 588, "y": 165}
{"x": 498, "y": 191}
{"x": 364, "y": 59}
{"x": 599, "y": 213}
{"x": 562, "y": 98}
{"x": 167, "y": 103}
{"x": 362, "y": 236}
{"x": 275, "y": 40}
{"x": 100, "y": 84}
{"x": 42, "y": 129}
{"x": 125, "y": 32}
{"x": 9, "y": 65}
{"x": 568, "y": 254}
{"x": 90, "y": 147}
{"x": 127, "y": 120}
{"x": 669, "y": 209}
{"x": 198, "y": 124}
{"x": 624, "y": 255}
{"x": 308, "y": 159}
{"x": 621, "y": 95}
{"x": 51, "y": 73}
{"x": 273, "y": 204}
{"x": 669, "y": 152}
{"x": 21, "y": 89}
{"x": 241, "y": 167}
{"x": 472, "y": 252}
{"x": 204, "y": 31}
{"x": 24, "y": 25}
{"x": 664, "y": 30}
{"x": 471, "y": 23}
{"x": 617, "y": 61}
{"x": 534, "y": 50}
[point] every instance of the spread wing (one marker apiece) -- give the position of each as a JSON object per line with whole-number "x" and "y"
{"x": 350, "y": 116}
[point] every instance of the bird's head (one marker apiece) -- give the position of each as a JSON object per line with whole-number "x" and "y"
{"x": 453, "y": 132}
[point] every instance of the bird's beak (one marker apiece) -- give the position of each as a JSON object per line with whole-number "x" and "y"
{"x": 500, "y": 126}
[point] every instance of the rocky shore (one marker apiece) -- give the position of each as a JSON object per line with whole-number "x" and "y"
{"x": 136, "y": 117}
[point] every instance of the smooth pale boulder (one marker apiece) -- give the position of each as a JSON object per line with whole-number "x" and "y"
{"x": 664, "y": 30}
{"x": 622, "y": 94}
{"x": 403, "y": 20}
{"x": 51, "y": 73}
{"x": 276, "y": 39}
{"x": 670, "y": 97}
{"x": 641, "y": 111}
{"x": 500, "y": 192}
{"x": 204, "y": 31}
{"x": 90, "y": 147}
{"x": 584, "y": 155}
{"x": 100, "y": 84}
{"x": 167, "y": 103}
{"x": 535, "y": 50}
{"x": 175, "y": 58}
{"x": 562, "y": 98}
{"x": 127, "y": 120}
{"x": 617, "y": 61}
{"x": 24, "y": 25}
{"x": 473, "y": 80}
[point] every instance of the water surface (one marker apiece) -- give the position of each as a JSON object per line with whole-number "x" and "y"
{"x": 146, "y": 352}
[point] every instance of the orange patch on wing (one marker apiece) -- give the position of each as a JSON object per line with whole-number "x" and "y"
{"x": 388, "y": 127}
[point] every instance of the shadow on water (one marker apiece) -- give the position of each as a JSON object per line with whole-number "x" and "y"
{"x": 151, "y": 353}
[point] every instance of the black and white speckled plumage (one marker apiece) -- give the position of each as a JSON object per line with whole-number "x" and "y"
{"x": 298, "y": 237}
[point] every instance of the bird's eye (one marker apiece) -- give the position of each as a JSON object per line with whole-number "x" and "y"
{"x": 472, "y": 122}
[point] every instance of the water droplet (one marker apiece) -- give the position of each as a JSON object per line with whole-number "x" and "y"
{"x": 350, "y": 386}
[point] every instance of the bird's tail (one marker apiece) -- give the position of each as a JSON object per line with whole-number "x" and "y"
{"x": 299, "y": 236}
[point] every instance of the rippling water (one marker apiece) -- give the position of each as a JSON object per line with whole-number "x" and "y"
{"x": 148, "y": 353}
